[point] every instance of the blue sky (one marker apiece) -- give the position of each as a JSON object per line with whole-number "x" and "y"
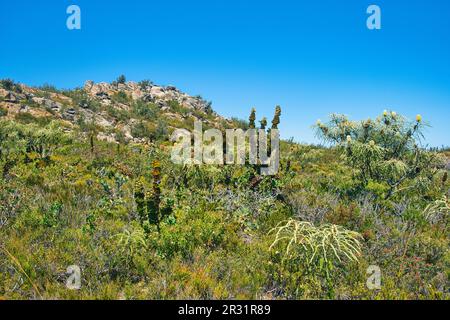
{"x": 311, "y": 57}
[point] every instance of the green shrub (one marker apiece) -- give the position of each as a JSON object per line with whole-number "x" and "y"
{"x": 48, "y": 88}
{"x": 141, "y": 130}
{"x": 81, "y": 99}
{"x": 161, "y": 131}
{"x": 121, "y": 79}
{"x": 121, "y": 97}
{"x": 10, "y": 85}
{"x": 52, "y": 215}
{"x": 385, "y": 150}
{"x": 144, "y": 84}
{"x": 147, "y": 111}
{"x": 315, "y": 251}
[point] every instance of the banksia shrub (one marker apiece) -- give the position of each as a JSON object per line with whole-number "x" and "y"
{"x": 438, "y": 212}
{"x": 385, "y": 150}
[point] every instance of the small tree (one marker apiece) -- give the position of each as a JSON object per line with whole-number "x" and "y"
{"x": 384, "y": 151}
{"x": 121, "y": 79}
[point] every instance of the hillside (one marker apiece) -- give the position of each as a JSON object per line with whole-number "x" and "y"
{"x": 86, "y": 180}
{"x": 126, "y": 111}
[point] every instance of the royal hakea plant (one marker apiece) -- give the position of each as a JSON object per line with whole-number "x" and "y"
{"x": 385, "y": 151}
{"x": 438, "y": 211}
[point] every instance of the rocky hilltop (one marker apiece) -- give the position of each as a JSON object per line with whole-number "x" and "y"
{"x": 119, "y": 110}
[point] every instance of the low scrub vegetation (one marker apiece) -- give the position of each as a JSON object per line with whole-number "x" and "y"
{"x": 141, "y": 227}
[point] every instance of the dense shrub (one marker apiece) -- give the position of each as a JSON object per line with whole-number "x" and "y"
{"x": 10, "y": 85}
{"x": 141, "y": 130}
{"x": 81, "y": 99}
{"x": 147, "y": 111}
{"x": 385, "y": 152}
{"x": 121, "y": 97}
{"x": 121, "y": 79}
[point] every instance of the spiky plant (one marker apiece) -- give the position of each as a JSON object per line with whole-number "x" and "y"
{"x": 438, "y": 211}
{"x": 316, "y": 249}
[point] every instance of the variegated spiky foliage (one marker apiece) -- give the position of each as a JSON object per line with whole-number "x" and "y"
{"x": 318, "y": 249}
{"x": 252, "y": 119}
{"x": 438, "y": 211}
{"x": 384, "y": 151}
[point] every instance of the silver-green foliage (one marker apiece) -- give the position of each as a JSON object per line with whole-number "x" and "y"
{"x": 385, "y": 150}
{"x": 319, "y": 249}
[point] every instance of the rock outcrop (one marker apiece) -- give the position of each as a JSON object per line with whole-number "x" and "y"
{"x": 114, "y": 106}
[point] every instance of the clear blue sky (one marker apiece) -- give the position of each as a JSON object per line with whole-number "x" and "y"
{"x": 311, "y": 57}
